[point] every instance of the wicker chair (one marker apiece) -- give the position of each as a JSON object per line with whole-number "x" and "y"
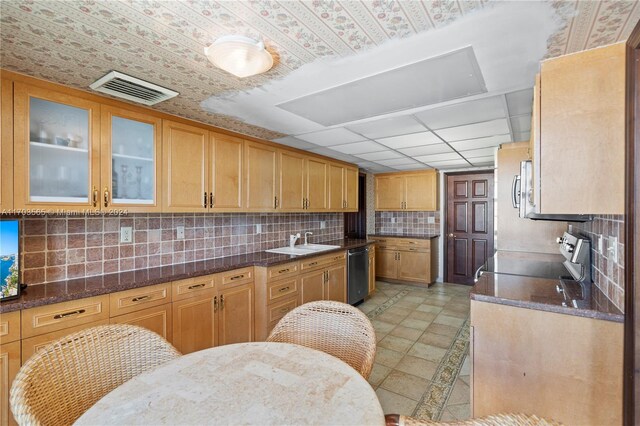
{"x": 60, "y": 382}
{"x": 492, "y": 420}
{"x": 332, "y": 327}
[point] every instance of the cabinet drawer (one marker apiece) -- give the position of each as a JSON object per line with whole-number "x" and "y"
{"x": 46, "y": 319}
{"x": 9, "y": 327}
{"x": 279, "y": 271}
{"x": 237, "y": 276}
{"x": 281, "y": 289}
{"x": 124, "y": 302}
{"x": 417, "y": 249}
{"x": 321, "y": 261}
{"x": 279, "y": 310}
{"x": 191, "y": 287}
{"x": 414, "y": 243}
{"x": 34, "y": 344}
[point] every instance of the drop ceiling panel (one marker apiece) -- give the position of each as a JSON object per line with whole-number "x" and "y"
{"x": 521, "y": 136}
{"x": 521, "y": 123}
{"x": 450, "y": 163}
{"x": 377, "y": 156}
{"x": 393, "y": 126}
{"x": 330, "y": 137}
{"x": 430, "y": 81}
{"x": 463, "y": 113}
{"x": 438, "y": 157}
{"x": 399, "y": 162}
{"x": 481, "y": 142}
{"x": 406, "y": 141}
{"x": 474, "y": 153}
{"x": 482, "y": 160}
{"x": 520, "y": 102}
{"x": 411, "y": 167}
{"x": 436, "y": 148}
{"x": 359, "y": 147}
{"x": 295, "y": 142}
{"x": 334, "y": 154}
{"x": 487, "y": 128}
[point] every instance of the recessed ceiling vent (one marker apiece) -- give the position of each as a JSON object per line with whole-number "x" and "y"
{"x": 133, "y": 89}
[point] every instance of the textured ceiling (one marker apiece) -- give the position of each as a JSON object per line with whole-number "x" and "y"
{"x": 76, "y": 42}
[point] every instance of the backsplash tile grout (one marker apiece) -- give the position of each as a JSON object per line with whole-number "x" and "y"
{"x": 407, "y": 223}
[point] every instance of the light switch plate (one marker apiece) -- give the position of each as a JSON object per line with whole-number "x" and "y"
{"x": 323, "y": 224}
{"x": 393, "y": 220}
{"x": 180, "y": 232}
{"x": 600, "y": 243}
{"x": 431, "y": 220}
{"x": 613, "y": 249}
{"x": 258, "y": 228}
{"x": 126, "y": 234}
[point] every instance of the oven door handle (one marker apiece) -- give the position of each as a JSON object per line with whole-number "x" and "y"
{"x": 515, "y": 192}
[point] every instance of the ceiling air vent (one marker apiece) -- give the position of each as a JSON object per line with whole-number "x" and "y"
{"x": 133, "y": 89}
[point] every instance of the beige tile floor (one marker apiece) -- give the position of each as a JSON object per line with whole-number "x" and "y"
{"x": 413, "y": 336}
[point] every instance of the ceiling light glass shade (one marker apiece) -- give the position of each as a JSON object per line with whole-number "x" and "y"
{"x": 240, "y": 56}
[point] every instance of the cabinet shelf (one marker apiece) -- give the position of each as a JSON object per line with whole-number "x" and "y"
{"x": 132, "y": 157}
{"x": 41, "y": 145}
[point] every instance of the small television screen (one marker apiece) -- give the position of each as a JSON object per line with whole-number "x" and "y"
{"x": 9, "y": 256}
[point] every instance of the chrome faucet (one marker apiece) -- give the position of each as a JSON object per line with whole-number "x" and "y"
{"x": 293, "y": 239}
{"x": 305, "y": 237}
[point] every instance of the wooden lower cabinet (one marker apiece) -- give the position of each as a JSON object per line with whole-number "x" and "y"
{"x": 561, "y": 367}
{"x": 336, "y": 283}
{"x": 407, "y": 260}
{"x": 372, "y": 270}
{"x": 195, "y": 325}
{"x": 413, "y": 265}
{"x": 311, "y": 287}
{"x": 236, "y": 315}
{"x": 156, "y": 319}
{"x": 386, "y": 263}
{"x": 9, "y": 366}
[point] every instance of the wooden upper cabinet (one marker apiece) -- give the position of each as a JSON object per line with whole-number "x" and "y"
{"x": 130, "y": 160}
{"x": 389, "y": 192}
{"x": 316, "y": 181}
{"x": 185, "y": 163}
{"x": 6, "y": 144}
{"x": 56, "y": 150}
{"x": 291, "y": 181}
{"x": 226, "y": 172}
{"x": 260, "y": 177}
{"x": 582, "y": 105}
{"x": 336, "y": 187}
{"x": 351, "y": 188}
{"x": 411, "y": 191}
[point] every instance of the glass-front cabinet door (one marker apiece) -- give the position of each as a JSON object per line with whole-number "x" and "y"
{"x": 130, "y": 160}
{"x": 57, "y": 147}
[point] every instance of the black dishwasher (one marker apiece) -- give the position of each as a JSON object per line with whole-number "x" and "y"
{"x": 357, "y": 274}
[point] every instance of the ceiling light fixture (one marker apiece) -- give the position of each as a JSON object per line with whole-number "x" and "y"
{"x": 240, "y": 56}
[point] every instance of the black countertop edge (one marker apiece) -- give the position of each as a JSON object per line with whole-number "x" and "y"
{"x": 80, "y": 288}
{"x": 586, "y": 313}
{"x": 411, "y": 236}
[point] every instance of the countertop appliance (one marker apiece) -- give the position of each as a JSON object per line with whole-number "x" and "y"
{"x": 522, "y": 198}
{"x": 570, "y": 270}
{"x": 357, "y": 274}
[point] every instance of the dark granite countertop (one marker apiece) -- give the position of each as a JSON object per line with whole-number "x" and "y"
{"x": 540, "y": 294}
{"x": 62, "y": 291}
{"x": 411, "y": 236}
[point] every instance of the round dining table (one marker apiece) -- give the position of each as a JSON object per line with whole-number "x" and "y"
{"x": 247, "y": 383}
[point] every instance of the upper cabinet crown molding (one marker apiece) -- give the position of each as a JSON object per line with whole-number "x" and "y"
{"x": 407, "y": 191}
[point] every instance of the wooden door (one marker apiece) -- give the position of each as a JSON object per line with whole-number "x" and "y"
{"x": 351, "y": 188}
{"x": 236, "y": 315}
{"x": 311, "y": 287}
{"x": 156, "y": 319}
{"x": 336, "y": 283}
{"x": 390, "y": 192}
{"x": 422, "y": 191}
{"x": 317, "y": 191}
{"x": 291, "y": 182}
{"x": 6, "y": 144}
{"x": 260, "y": 177}
{"x": 226, "y": 173}
{"x": 372, "y": 270}
{"x": 469, "y": 224}
{"x": 194, "y": 323}
{"x": 131, "y": 160}
{"x": 9, "y": 366}
{"x": 386, "y": 263}
{"x": 185, "y": 178}
{"x": 336, "y": 187}
{"x": 414, "y": 266}
{"x": 56, "y": 150}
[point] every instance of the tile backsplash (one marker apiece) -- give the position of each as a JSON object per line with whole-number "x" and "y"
{"x": 607, "y": 274}
{"x": 407, "y": 223}
{"x": 61, "y": 247}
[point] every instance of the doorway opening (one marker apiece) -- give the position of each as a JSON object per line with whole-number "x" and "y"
{"x": 355, "y": 224}
{"x": 468, "y": 224}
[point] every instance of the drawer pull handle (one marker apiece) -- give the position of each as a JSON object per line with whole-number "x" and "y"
{"x": 284, "y": 289}
{"x": 68, "y": 314}
{"x": 412, "y": 249}
{"x": 283, "y": 270}
{"x": 313, "y": 263}
{"x": 193, "y": 287}
{"x": 412, "y": 242}
{"x": 140, "y": 298}
{"x": 237, "y": 277}
{"x": 284, "y": 310}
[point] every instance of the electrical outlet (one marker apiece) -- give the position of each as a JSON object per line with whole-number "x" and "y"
{"x": 126, "y": 234}
{"x": 613, "y": 249}
{"x": 323, "y": 224}
{"x": 431, "y": 220}
{"x": 180, "y": 232}
{"x": 258, "y": 228}
{"x": 600, "y": 243}
{"x": 393, "y": 220}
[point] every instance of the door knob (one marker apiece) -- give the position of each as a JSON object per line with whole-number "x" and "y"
{"x": 451, "y": 236}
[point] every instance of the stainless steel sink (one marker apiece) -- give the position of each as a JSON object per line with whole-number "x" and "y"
{"x": 302, "y": 249}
